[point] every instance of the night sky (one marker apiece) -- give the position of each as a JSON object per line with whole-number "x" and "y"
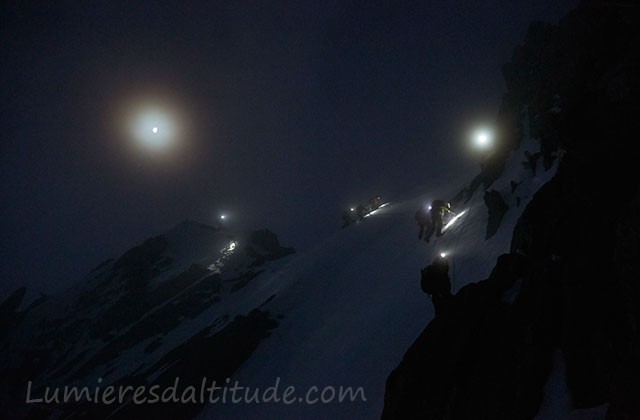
{"x": 288, "y": 113}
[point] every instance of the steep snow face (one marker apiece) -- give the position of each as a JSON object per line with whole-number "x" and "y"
{"x": 353, "y": 305}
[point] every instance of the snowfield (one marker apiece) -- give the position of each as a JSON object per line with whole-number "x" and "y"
{"x": 353, "y": 305}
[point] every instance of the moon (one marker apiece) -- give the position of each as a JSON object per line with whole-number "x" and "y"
{"x": 145, "y": 127}
{"x": 156, "y": 124}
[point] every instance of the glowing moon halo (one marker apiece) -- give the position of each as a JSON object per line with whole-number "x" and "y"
{"x": 483, "y": 139}
{"x": 156, "y": 126}
{"x": 145, "y": 128}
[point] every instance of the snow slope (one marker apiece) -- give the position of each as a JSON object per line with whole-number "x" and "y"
{"x": 198, "y": 280}
{"x": 353, "y": 305}
{"x": 347, "y": 310}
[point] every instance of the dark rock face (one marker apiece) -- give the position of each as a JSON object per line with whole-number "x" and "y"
{"x": 481, "y": 358}
{"x": 497, "y": 208}
{"x": 265, "y": 244}
{"x": 574, "y": 266}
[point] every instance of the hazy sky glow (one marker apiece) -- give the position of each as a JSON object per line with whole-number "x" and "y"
{"x": 279, "y": 114}
{"x": 152, "y": 125}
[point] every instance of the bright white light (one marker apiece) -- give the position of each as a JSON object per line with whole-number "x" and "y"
{"x": 155, "y": 122}
{"x": 443, "y": 255}
{"x": 352, "y": 209}
{"x": 226, "y": 253}
{"x": 145, "y": 126}
{"x": 483, "y": 139}
{"x": 376, "y": 210}
{"x": 453, "y": 220}
{"x": 222, "y": 216}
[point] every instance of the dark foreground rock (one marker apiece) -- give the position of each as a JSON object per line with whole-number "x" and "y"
{"x": 571, "y": 283}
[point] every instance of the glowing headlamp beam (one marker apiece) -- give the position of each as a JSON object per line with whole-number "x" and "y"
{"x": 453, "y": 220}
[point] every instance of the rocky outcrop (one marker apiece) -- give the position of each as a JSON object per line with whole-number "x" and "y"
{"x": 482, "y": 357}
{"x": 572, "y": 280}
{"x": 496, "y": 208}
{"x": 264, "y": 245}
